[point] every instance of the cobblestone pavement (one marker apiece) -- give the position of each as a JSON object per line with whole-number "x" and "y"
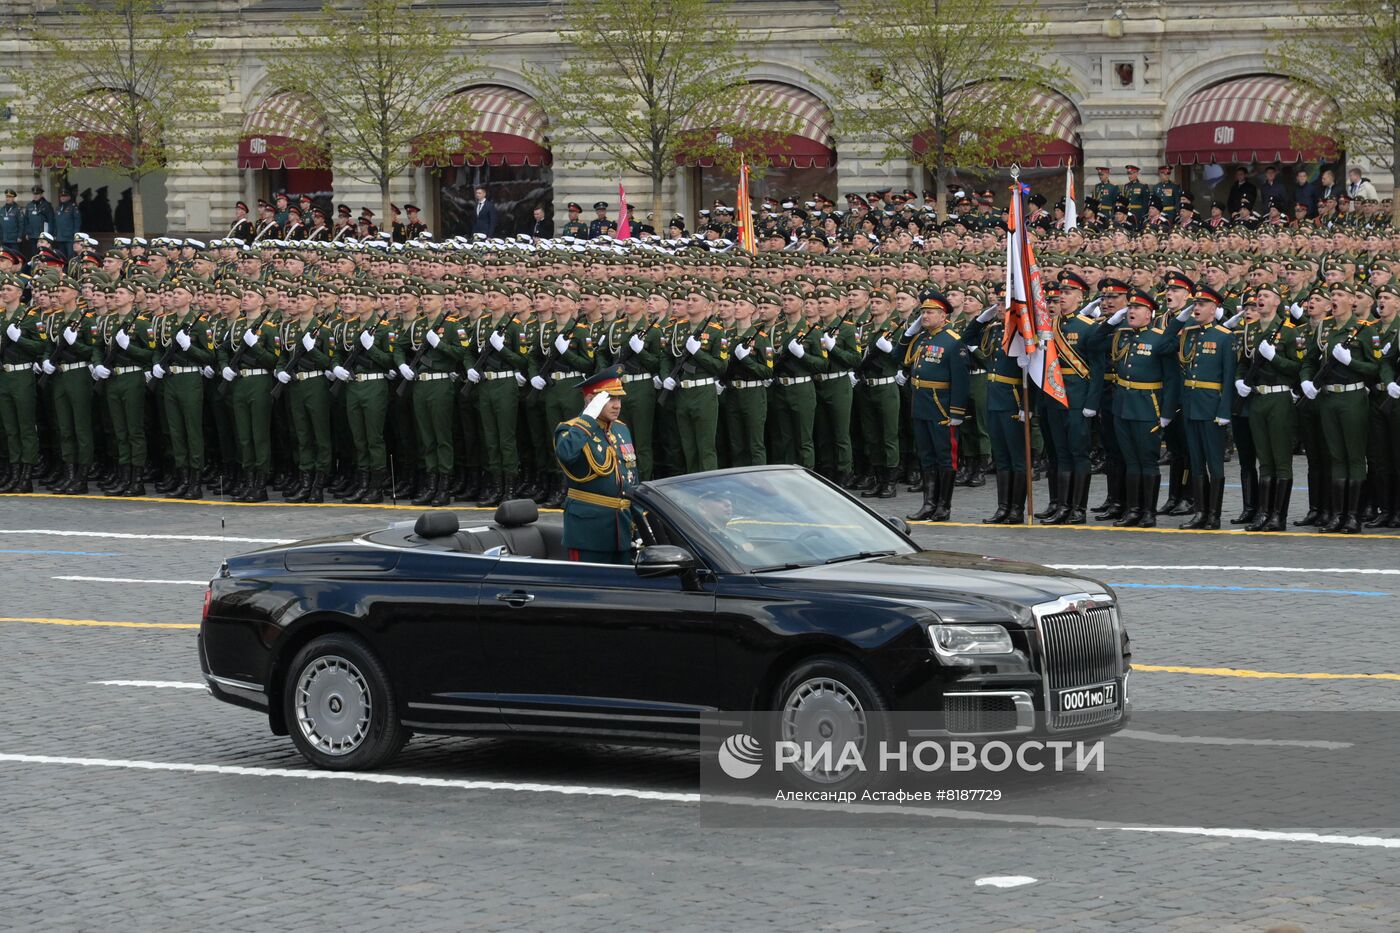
{"x": 109, "y": 822}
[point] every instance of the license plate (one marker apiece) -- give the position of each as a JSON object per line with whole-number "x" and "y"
{"x": 1082, "y": 698}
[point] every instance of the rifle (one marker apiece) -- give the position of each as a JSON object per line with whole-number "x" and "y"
{"x": 868, "y": 356}
{"x": 484, "y": 357}
{"x": 418, "y": 354}
{"x": 664, "y": 395}
{"x": 551, "y": 362}
{"x": 237, "y": 357}
{"x": 354, "y": 357}
{"x": 295, "y": 359}
{"x": 734, "y": 361}
{"x": 60, "y": 346}
{"x": 625, "y": 354}
{"x": 110, "y": 356}
{"x": 1256, "y": 363}
{"x": 164, "y": 363}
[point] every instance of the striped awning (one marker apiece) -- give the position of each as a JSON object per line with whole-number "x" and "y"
{"x": 511, "y": 123}
{"x": 1261, "y": 118}
{"x": 1054, "y": 140}
{"x": 100, "y": 134}
{"x": 286, "y": 131}
{"x": 810, "y": 143}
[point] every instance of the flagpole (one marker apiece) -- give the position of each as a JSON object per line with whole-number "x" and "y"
{"x": 1025, "y": 370}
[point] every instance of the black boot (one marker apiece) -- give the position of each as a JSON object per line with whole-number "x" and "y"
{"x": 489, "y": 497}
{"x": 1078, "y": 498}
{"x": 1151, "y": 489}
{"x": 256, "y": 490}
{"x": 1052, "y": 482}
{"x": 374, "y": 491}
{"x": 930, "y": 505}
{"x": 24, "y": 479}
{"x": 442, "y": 498}
{"x": 960, "y": 476}
{"x": 1385, "y": 487}
{"x": 1058, "y": 517}
{"x": 301, "y": 479}
{"x": 65, "y": 479}
{"x": 195, "y": 490}
{"x": 1351, "y": 521}
{"x": 7, "y": 476}
{"x": 1278, "y": 510}
{"x": 976, "y": 475}
{"x": 1264, "y": 501}
{"x": 1317, "y": 497}
{"x": 1016, "y": 500}
{"x": 431, "y": 490}
{"x": 1003, "y": 499}
{"x": 121, "y": 479}
{"x": 508, "y": 488}
{"x": 1201, "y": 500}
{"x": 315, "y": 492}
{"x": 1249, "y": 485}
{"x": 556, "y": 495}
{"x": 1132, "y": 502}
{"x": 1113, "y": 508}
{"x": 1336, "y": 506}
{"x": 1181, "y": 489}
{"x": 945, "y": 496}
{"x": 137, "y": 486}
{"x": 1215, "y": 492}
{"x": 887, "y": 487}
{"x": 352, "y": 491}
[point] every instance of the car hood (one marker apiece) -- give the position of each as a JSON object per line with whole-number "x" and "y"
{"x": 944, "y": 579}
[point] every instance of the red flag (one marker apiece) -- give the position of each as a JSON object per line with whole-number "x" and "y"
{"x": 624, "y": 222}
{"x": 1029, "y": 326}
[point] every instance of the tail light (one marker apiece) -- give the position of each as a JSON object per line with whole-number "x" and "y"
{"x": 208, "y": 596}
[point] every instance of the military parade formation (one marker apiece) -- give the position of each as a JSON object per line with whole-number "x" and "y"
{"x": 867, "y": 344}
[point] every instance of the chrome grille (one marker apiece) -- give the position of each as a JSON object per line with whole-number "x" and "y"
{"x": 1080, "y": 648}
{"x": 974, "y": 714}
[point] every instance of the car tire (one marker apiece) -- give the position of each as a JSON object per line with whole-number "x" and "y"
{"x": 829, "y": 698}
{"x": 340, "y": 707}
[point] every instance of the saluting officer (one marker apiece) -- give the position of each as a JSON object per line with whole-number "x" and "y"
{"x": 599, "y": 463}
{"x": 938, "y": 365}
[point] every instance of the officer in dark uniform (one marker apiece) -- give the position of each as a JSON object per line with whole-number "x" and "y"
{"x": 38, "y": 218}
{"x": 1105, "y": 194}
{"x": 939, "y": 371}
{"x": 573, "y": 226}
{"x": 1168, "y": 192}
{"x": 242, "y": 227}
{"x": 600, "y": 468}
{"x": 1206, "y": 354}
{"x": 11, "y": 222}
{"x": 1136, "y": 194}
{"x": 415, "y": 226}
{"x": 599, "y": 225}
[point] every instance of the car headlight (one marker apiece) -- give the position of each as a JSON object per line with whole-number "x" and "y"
{"x": 960, "y": 641}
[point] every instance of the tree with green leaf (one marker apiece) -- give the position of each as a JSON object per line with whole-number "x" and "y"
{"x": 943, "y": 83}
{"x": 116, "y": 85}
{"x": 368, "y": 66}
{"x": 652, "y": 84}
{"x": 1350, "y": 57}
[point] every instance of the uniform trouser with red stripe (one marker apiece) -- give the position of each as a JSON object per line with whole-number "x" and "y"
{"x": 937, "y": 442}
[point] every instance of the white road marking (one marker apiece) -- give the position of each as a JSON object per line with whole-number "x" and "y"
{"x": 1378, "y": 571}
{"x": 218, "y": 539}
{"x": 1004, "y": 881}
{"x": 79, "y": 579}
{"x": 158, "y": 684}
{"x": 1221, "y": 740}
{"x": 633, "y": 793}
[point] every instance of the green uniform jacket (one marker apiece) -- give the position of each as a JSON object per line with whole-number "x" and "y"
{"x": 939, "y": 370}
{"x": 1141, "y": 359}
{"x": 712, "y": 358}
{"x": 1355, "y": 336}
{"x": 876, "y": 363}
{"x": 514, "y": 352}
{"x": 846, "y": 353}
{"x": 757, "y": 364}
{"x": 201, "y": 351}
{"x": 345, "y": 338}
{"x": 141, "y": 343}
{"x": 809, "y": 337}
{"x": 1206, "y": 355}
{"x": 620, "y": 334}
{"x": 261, "y": 355}
{"x": 445, "y": 357}
{"x": 601, "y": 469}
{"x": 33, "y": 340}
{"x": 318, "y": 357}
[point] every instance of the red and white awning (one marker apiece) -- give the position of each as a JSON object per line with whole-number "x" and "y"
{"x": 1054, "y": 141}
{"x": 808, "y": 146}
{"x": 101, "y": 133}
{"x": 286, "y": 131}
{"x": 1262, "y": 118}
{"x": 510, "y": 121}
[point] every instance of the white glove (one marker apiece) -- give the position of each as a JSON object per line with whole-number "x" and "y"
{"x": 1088, "y": 412}
{"x": 366, "y": 340}
{"x": 520, "y": 379}
{"x": 638, "y": 344}
{"x": 48, "y": 368}
{"x": 1023, "y": 361}
{"x": 1342, "y": 355}
{"x": 1117, "y": 317}
{"x": 13, "y": 332}
{"x": 955, "y": 421}
{"x": 561, "y": 344}
{"x": 250, "y": 338}
{"x": 308, "y": 341}
{"x": 207, "y": 372}
{"x": 341, "y": 373}
{"x": 1242, "y": 388}
{"x": 1295, "y": 311}
{"x": 407, "y": 372}
{"x": 1308, "y": 388}
{"x": 158, "y": 371}
{"x": 853, "y": 377}
{"x": 1222, "y": 422}
{"x": 719, "y": 388}
{"x": 473, "y": 375}
{"x": 900, "y": 379}
{"x": 796, "y": 349}
{"x": 883, "y": 344}
{"x": 284, "y": 377}
{"x": 148, "y": 378}
{"x": 669, "y": 384}
{"x": 228, "y": 374}
{"x": 498, "y": 341}
{"x": 1393, "y": 390}
{"x": 692, "y": 345}
{"x": 70, "y": 335}
{"x": 656, "y": 382}
{"x": 1385, "y": 350}
{"x": 914, "y": 326}
{"x": 1234, "y": 320}
{"x": 1267, "y": 351}
{"x": 1219, "y": 312}
{"x": 432, "y": 338}
{"x": 123, "y": 340}
{"x": 100, "y": 372}
{"x": 595, "y": 404}
{"x": 183, "y": 339}
{"x": 537, "y": 381}
{"x": 1164, "y": 421}
{"x": 828, "y": 341}
{"x": 741, "y": 352}
{"x": 988, "y": 314}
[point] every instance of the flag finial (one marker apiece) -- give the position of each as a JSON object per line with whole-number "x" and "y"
{"x": 1015, "y": 171}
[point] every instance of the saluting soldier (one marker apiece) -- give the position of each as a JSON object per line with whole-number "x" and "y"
{"x": 595, "y": 453}
{"x": 938, "y": 365}
{"x": 1206, "y": 355}
{"x": 1271, "y": 356}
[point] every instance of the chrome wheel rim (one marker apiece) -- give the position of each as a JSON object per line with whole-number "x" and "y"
{"x": 333, "y": 705}
{"x": 823, "y": 710}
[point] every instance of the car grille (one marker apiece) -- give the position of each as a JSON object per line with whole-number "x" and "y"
{"x": 973, "y": 714}
{"x": 1080, "y": 649}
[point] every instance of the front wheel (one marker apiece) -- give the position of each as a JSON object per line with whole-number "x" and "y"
{"x": 831, "y": 707}
{"x": 340, "y": 706}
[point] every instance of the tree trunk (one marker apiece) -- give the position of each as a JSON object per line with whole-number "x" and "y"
{"x": 940, "y": 190}
{"x": 658, "y": 219}
{"x": 386, "y": 223}
{"x": 1395, "y": 176}
{"x": 138, "y": 208}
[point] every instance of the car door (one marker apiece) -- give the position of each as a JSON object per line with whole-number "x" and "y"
{"x": 593, "y": 648}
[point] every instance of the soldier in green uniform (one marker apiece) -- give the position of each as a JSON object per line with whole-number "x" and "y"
{"x": 793, "y": 402}
{"x": 938, "y": 365}
{"x": 131, "y": 347}
{"x": 433, "y": 337}
{"x": 249, "y": 374}
{"x": 362, "y": 356}
{"x": 634, "y": 340}
{"x": 23, "y": 344}
{"x": 1105, "y": 193}
{"x": 1271, "y": 357}
{"x": 75, "y": 339}
{"x": 746, "y": 380}
{"x": 698, "y": 363}
{"x": 302, "y": 369}
{"x": 1167, "y": 193}
{"x": 832, "y": 426}
{"x": 1206, "y": 355}
{"x": 1383, "y": 441}
{"x": 186, "y": 345}
{"x": 574, "y": 227}
{"x": 501, "y": 354}
{"x": 877, "y": 395}
{"x": 564, "y": 353}
{"x": 595, "y": 453}
{"x": 1136, "y": 194}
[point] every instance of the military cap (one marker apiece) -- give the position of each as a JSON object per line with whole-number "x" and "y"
{"x": 1131, "y": 168}
{"x": 1073, "y": 280}
{"x": 37, "y": 189}
{"x": 366, "y": 213}
{"x": 1206, "y": 293}
{"x": 263, "y": 203}
{"x": 1268, "y": 287}
{"x": 933, "y": 298}
{"x": 305, "y": 197}
{"x": 343, "y": 210}
{"x": 1038, "y": 199}
{"x": 294, "y": 210}
{"x": 600, "y": 205}
{"x": 1178, "y": 280}
{"x": 1142, "y": 299}
{"x": 1103, "y": 168}
{"x": 608, "y": 380}
{"x": 1111, "y": 286}
{"x": 1389, "y": 288}
{"x": 11, "y": 192}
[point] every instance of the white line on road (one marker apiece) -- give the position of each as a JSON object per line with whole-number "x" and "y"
{"x": 1379, "y": 571}
{"x": 1221, "y": 740}
{"x": 158, "y": 684}
{"x": 218, "y": 539}
{"x": 586, "y": 790}
{"x": 1004, "y": 881}
{"x": 78, "y": 579}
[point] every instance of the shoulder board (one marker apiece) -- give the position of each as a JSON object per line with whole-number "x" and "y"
{"x": 1085, "y": 318}
{"x": 1223, "y": 329}
{"x": 954, "y": 334}
{"x": 575, "y": 423}
{"x": 514, "y": 319}
{"x": 762, "y": 332}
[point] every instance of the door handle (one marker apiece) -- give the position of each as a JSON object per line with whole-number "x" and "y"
{"x": 516, "y": 598}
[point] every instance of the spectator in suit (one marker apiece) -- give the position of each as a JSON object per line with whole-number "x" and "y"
{"x": 1305, "y": 193}
{"x": 1328, "y": 187}
{"x": 541, "y": 227}
{"x": 1272, "y": 192}
{"x": 1242, "y": 192}
{"x": 484, "y": 213}
{"x": 1359, "y": 187}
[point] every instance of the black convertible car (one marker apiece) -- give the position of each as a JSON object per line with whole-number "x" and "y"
{"x": 762, "y": 588}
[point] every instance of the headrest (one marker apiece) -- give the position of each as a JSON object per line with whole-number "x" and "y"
{"x": 514, "y": 512}
{"x": 436, "y": 524}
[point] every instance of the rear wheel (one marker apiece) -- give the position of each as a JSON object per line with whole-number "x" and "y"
{"x": 832, "y": 707}
{"x": 340, "y": 707}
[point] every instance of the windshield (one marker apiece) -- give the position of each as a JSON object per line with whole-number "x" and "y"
{"x": 781, "y": 519}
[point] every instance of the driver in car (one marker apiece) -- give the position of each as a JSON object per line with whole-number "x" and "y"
{"x": 600, "y": 467}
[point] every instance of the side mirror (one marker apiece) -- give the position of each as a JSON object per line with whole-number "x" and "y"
{"x": 664, "y": 560}
{"x": 898, "y": 524}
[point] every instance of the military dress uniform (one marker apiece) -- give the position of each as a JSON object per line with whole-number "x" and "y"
{"x": 250, "y": 397}
{"x": 1206, "y": 355}
{"x": 432, "y": 392}
{"x": 1168, "y": 193}
{"x": 697, "y": 393}
{"x": 23, "y": 343}
{"x": 183, "y": 394}
{"x": 72, "y": 393}
{"x": 832, "y": 427}
{"x": 497, "y": 397}
{"x": 1136, "y": 194}
{"x": 939, "y": 366}
{"x": 1383, "y": 441}
{"x": 366, "y": 400}
{"x": 1005, "y": 418}
{"x": 11, "y": 225}
{"x": 599, "y": 464}
{"x": 302, "y": 368}
{"x": 1268, "y": 376}
{"x": 793, "y": 396}
{"x": 1079, "y": 341}
{"x": 126, "y": 393}
{"x": 1106, "y": 193}
{"x": 638, "y": 369}
{"x": 877, "y": 402}
{"x": 565, "y": 368}
{"x": 745, "y": 399}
